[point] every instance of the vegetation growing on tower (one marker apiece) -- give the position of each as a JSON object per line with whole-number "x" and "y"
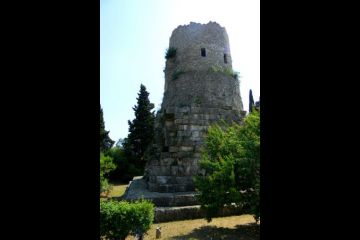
{"x": 170, "y": 53}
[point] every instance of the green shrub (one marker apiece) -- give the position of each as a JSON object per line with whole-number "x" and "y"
{"x": 104, "y": 185}
{"x": 228, "y": 71}
{"x": 177, "y": 73}
{"x": 231, "y": 160}
{"x": 106, "y": 166}
{"x": 119, "y": 219}
{"x": 236, "y": 75}
{"x": 216, "y": 68}
{"x": 170, "y": 53}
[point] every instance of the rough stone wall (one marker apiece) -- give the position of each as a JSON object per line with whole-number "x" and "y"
{"x": 193, "y": 100}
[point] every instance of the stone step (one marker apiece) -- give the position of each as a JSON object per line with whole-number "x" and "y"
{"x": 171, "y": 188}
{"x": 169, "y": 200}
{"x": 167, "y": 214}
{"x": 137, "y": 190}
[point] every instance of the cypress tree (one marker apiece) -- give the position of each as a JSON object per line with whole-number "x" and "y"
{"x": 105, "y": 141}
{"x": 141, "y": 130}
{"x": 251, "y": 101}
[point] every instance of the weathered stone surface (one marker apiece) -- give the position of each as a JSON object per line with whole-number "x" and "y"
{"x": 186, "y": 148}
{"x": 173, "y": 149}
{"x": 163, "y": 179}
{"x": 174, "y": 170}
{"x": 203, "y": 93}
{"x": 166, "y": 214}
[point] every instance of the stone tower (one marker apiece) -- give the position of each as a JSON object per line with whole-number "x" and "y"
{"x": 200, "y": 89}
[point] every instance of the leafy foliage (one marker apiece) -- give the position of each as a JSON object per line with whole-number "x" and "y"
{"x": 124, "y": 170}
{"x": 228, "y": 71}
{"x": 105, "y": 141}
{"x": 106, "y": 166}
{"x": 177, "y": 73}
{"x": 119, "y": 219}
{"x": 170, "y": 53}
{"x": 141, "y": 132}
{"x": 231, "y": 160}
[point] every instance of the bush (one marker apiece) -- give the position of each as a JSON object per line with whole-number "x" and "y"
{"x": 177, "y": 73}
{"x": 104, "y": 185}
{"x": 106, "y": 166}
{"x": 119, "y": 219}
{"x": 228, "y": 71}
{"x": 231, "y": 160}
{"x": 120, "y": 173}
{"x": 170, "y": 53}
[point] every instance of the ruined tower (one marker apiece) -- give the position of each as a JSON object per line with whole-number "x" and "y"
{"x": 200, "y": 89}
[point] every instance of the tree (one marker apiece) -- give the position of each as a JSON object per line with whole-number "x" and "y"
{"x": 251, "y": 101}
{"x": 119, "y": 143}
{"x": 141, "y": 131}
{"x": 231, "y": 160}
{"x": 124, "y": 169}
{"x": 106, "y": 166}
{"x": 105, "y": 141}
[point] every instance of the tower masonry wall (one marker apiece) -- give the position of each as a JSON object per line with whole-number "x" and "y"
{"x": 199, "y": 91}
{"x": 190, "y": 39}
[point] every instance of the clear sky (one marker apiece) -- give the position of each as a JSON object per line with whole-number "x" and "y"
{"x": 134, "y": 35}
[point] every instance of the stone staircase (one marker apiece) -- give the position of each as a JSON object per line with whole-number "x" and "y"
{"x": 170, "y": 206}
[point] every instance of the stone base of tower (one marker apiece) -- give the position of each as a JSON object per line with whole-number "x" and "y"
{"x": 138, "y": 189}
{"x": 170, "y": 188}
{"x": 180, "y": 137}
{"x": 171, "y": 206}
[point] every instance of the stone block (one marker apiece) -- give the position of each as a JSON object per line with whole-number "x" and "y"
{"x": 170, "y": 110}
{"x": 163, "y": 179}
{"x": 188, "y": 170}
{"x": 181, "y": 188}
{"x": 195, "y": 109}
{"x": 162, "y": 188}
{"x": 198, "y": 148}
{"x": 184, "y": 109}
{"x": 165, "y": 170}
{"x": 173, "y": 149}
{"x": 166, "y": 161}
{"x": 152, "y": 179}
{"x": 169, "y": 123}
{"x": 186, "y": 148}
{"x": 181, "y": 171}
{"x": 165, "y": 155}
{"x": 153, "y": 187}
{"x": 160, "y": 170}
{"x": 154, "y": 162}
{"x": 195, "y": 134}
{"x": 183, "y": 133}
{"x": 183, "y": 127}
{"x": 178, "y": 121}
{"x": 183, "y": 180}
{"x": 185, "y": 121}
{"x": 184, "y": 154}
{"x": 195, "y": 128}
{"x": 174, "y": 170}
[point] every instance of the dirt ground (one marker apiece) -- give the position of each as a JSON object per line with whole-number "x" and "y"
{"x": 226, "y": 228}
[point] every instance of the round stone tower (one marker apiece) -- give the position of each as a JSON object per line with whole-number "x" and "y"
{"x": 200, "y": 89}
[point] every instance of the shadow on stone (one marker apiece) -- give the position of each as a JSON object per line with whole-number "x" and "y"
{"x": 240, "y": 232}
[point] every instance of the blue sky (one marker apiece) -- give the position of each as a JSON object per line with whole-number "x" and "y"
{"x": 134, "y": 35}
